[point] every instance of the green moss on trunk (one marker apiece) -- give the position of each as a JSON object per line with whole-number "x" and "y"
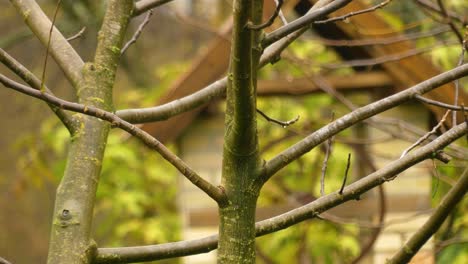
{"x": 241, "y": 155}
{"x": 71, "y": 241}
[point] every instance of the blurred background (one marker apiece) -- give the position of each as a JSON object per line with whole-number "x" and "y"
{"x": 330, "y": 70}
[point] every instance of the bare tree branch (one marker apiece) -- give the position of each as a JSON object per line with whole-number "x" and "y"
{"x": 328, "y": 151}
{"x": 303, "y": 21}
{"x": 351, "y": 14}
{"x": 354, "y": 190}
{"x": 138, "y": 32}
{"x": 270, "y": 21}
{"x": 279, "y": 122}
{"x": 62, "y": 52}
{"x": 308, "y": 211}
{"x": 51, "y": 30}
{"x": 305, "y": 145}
{"x": 184, "y": 104}
{"x": 434, "y": 8}
{"x": 211, "y": 91}
{"x": 343, "y": 184}
{"x": 145, "y": 5}
{"x": 77, "y": 35}
{"x": 457, "y": 82}
{"x": 449, "y": 21}
{"x": 427, "y": 135}
{"x": 213, "y": 191}
{"x": 440, "y": 104}
{"x": 34, "y": 82}
{"x": 453, "y": 197}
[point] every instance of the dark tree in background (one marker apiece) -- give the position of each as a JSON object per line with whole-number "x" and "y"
{"x": 91, "y": 114}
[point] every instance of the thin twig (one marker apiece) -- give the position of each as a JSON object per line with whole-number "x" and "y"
{"x": 434, "y": 8}
{"x": 367, "y": 248}
{"x": 346, "y": 174}
{"x": 270, "y": 21}
{"x": 351, "y": 14}
{"x": 138, "y": 32}
{"x": 434, "y": 16}
{"x": 325, "y": 161}
{"x": 427, "y": 135}
{"x": 436, "y": 173}
{"x": 457, "y": 85}
{"x": 284, "y": 124}
{"x": 77, "y": 35}
{"x": 60, "y": 49}
{"x": 281, "y": 15}
{"x": 414, "y": 133}
{"x": 57, "y": 7}
{"x": 465, "y": 116}
{"x": 439, "y": 104}
{"x": 31, "y": 79}
{"x": 449, "y": 21}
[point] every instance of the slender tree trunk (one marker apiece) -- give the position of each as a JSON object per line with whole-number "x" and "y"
{"x": 241, "y": 155}
{"x": 70, "y": 238}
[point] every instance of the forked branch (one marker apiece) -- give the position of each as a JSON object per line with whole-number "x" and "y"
{"x": 214, "y": 90}
{"x": 35, "y": 83}
{"x": 213, "y": 191}
{"x": 308, "y": 211}
{"x": 305, "y": 145}
{"x": 145, "y": 5}
{"x": 60, "y": 49}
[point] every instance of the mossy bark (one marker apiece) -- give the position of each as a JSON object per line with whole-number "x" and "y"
{"x": 240, "y": 155}
{"x": 71, "y": 241}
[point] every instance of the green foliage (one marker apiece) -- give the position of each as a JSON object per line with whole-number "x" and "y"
{"x": 451, "y": 238}
{"x": 446, "y": 57}
{"x": 299, "y": 182}
{"x": 317, "y": 241}
{"x": 454, "y": 254}
{"x": 136, "y": 198}
{"x": 458, "y": 4}
{"x": 136, "y": 195}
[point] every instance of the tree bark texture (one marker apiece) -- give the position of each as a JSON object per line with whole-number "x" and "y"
{"x": 241, "y": 155}
{"x": 70, "y": 237}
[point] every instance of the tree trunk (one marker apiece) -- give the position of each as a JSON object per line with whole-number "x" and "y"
{"x": 240, "y": 154}
{"x": 70, "y": 238}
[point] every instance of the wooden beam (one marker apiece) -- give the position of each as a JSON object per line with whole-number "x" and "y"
{"x": 357, "y": 81}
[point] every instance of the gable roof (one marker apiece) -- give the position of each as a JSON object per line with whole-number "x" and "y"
{"x": 212, "y": 64}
